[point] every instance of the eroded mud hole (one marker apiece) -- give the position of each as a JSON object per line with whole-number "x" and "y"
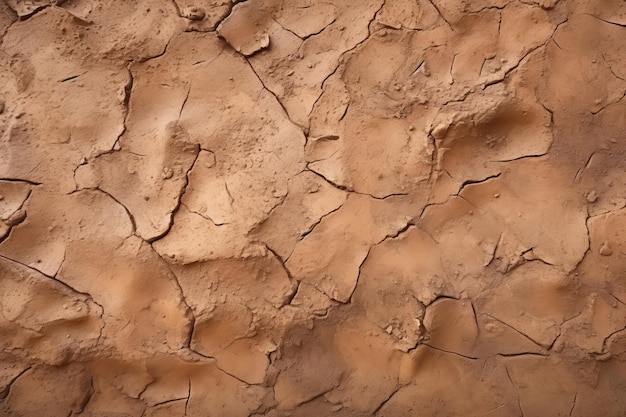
{"x": 298, "y": 208}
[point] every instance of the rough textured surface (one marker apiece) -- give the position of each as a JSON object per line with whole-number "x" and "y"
{"x": 299, "y": 208}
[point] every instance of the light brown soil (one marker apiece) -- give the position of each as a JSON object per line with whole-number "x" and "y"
{"x": 302, "y": 208}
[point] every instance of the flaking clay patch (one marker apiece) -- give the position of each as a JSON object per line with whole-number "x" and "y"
{"x": 298, "y": 208}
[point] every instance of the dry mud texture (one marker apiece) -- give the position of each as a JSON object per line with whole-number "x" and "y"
{"x": 301, "y": 208}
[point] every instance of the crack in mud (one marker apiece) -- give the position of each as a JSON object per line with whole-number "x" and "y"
{"x": 308, "y": 345}
{"x": 471, "y": 358}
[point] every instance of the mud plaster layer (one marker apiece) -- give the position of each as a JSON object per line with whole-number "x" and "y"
{"x": 295, "y": 208}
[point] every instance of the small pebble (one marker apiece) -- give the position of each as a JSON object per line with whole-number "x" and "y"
{"x": 496, "y": 195}
{"x": 592, "y": 197}
{"x": 194, "y": 13}
{"x": 605, "y": 249}
{"x": 167, "y": 173}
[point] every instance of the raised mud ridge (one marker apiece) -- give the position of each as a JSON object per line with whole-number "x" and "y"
{"x": 302, "y": 208}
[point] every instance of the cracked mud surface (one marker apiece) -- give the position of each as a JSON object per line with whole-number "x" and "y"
{"x": 297, "y": 208}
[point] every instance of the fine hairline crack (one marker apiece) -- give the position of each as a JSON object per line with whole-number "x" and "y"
{"x": 351, "y": 189}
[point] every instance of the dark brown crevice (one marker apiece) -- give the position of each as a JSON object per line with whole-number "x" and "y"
{"x": 232, "y": 9}
{"x": 341, "y": 58}
{"x": 397, "y": 233}
{"x": 358, "y": 278}
{"x": 189, "y": 311}
{"x": 128, "y": 89}
{"x": 475, "y": 317}
{"x": 179, "y": 203}
{"x": 394, "y": 235}
{"x": 601, "y": 109}
{"x": 70, "y": 78}
{"x": 482, "y": 66}
{"x": 316, "y": 397}
{"x": 432, "y": 2}
{"x": 280, "y": 260}
{"x": 588, "y": 249}
{"x": 611, "y": 68}
{"x": 350, "y": 189}
{"x": 7, "y": 390}
{"x": 459, "y": 98}
{"x": 157, "y": 56}
{"x": 556, "y": 28}
{"x": 204, "y": 216}
{"x": 112, "y": 197}
{"x": 289, "y": 299}
{"x": 580, "y": 171}
{"x": 617, "y": 298}
{"x": 173, "y": 400}
{"x": 144, "y": 389}
{"x": 571, "y": 410}
{"x": 17, "y": 217}
{"x": 269, "y": 213}
{"x": 450, "y": 352}
{"x": 442, "y": 297}
{"x": 519, "y": 158}
{"x": 323, "y": 86}
{"x": 369, "y": 31}
{"x": 495, "y": 250}
{"x": 604, "y": 347}
{"x": 435, "y": 159}
{"x": 558, "y": 336}
{"x": 231, "y": 375}
{"x": 188, "y": 397}
{"x": 386, "y": 400}
{"x": 518, "y": 354}
{"x": 549, "y": 110}
{"x": 287, "y": 29}
{"x": 622, "y": 25}
{"x": 493, "y": 7}
{"x": 317, "y": 223}
{"x": 520, "y": 332}
{"x": 178, "y": 12}
{"x": 295, "y": 282}
{"x": 517, "y": 64}
{"x": 304, "y": 38}
{"x": 280, "y": 103}
{"x": 476, "y": 182}
{"x": 514, "y": 385}
{"x": 544, "y": 45}
{"x": 35, "y": 12}
{"x": 451, "y": 68}
{"x": 88, "y": 397}
{"x": 427, "y": 206}
{"x": 182, "y": 107}
{"x": 14, "y": 19}
{"x": 34, "y": 183}
{"x": 52, "y": 277}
